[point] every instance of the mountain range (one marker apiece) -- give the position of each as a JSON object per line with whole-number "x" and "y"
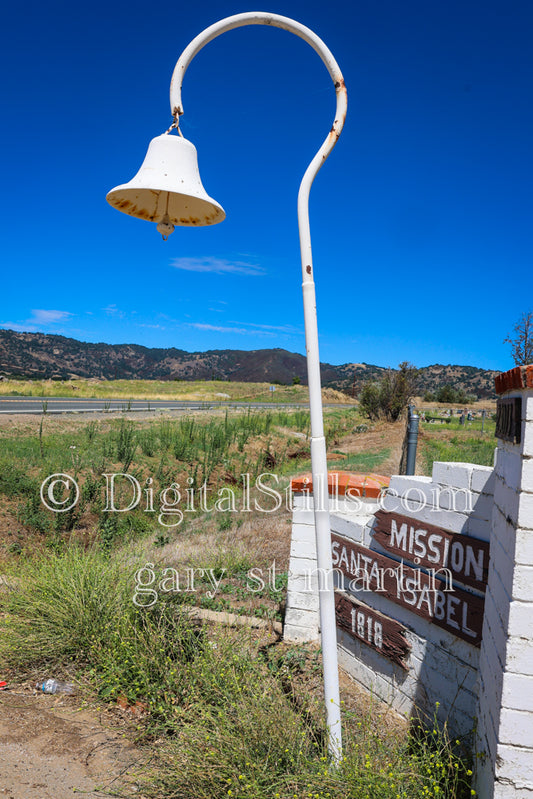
{"x": 44, "y": 356}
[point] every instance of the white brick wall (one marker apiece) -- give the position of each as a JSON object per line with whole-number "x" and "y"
{"x": 505, "y": 704}
{"x": 493, "y": 684}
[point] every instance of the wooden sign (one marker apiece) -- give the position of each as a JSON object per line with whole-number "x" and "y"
{"x": 378, "y": 631}
{"x": 433, "y": 548}
{"x": 454, "y": 610}
{"x": 509, "y": 419}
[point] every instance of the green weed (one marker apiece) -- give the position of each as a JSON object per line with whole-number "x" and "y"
{"x": 458, "y": 449}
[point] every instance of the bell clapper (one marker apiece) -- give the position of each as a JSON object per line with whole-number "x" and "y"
{"x": 165, "y": 227}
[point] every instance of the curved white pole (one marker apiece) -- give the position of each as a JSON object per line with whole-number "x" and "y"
{"x": 318, "y": 443}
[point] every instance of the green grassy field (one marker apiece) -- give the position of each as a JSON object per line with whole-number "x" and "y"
{"x": 456, "y": 442}
{"x": 202, "y": 390}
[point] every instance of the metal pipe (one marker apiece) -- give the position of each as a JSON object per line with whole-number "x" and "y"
{"x": 412, "y": 440}
{"x": 318, "y": 443}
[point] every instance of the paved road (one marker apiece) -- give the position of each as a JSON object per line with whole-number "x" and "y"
{"x": 80, "y": 405}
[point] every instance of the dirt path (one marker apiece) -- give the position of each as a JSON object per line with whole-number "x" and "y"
{"x": 52, "y": 749}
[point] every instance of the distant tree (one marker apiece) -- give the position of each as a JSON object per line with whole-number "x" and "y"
{"x": 522, "y": 341}
{"x": 296, "y": 380}
{"x": 369, "y": 400}
{"x": 389, "y": 397}
{"x": 454, "y": 396}
{"x": 447, "y": 393}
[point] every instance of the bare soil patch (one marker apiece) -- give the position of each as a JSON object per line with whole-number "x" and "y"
{"x": 51, "y": 748}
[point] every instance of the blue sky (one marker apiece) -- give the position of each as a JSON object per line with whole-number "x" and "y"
{"x": 421, "y": 219}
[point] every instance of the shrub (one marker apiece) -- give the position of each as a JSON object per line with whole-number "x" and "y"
{"x": 389, "y": 397}
{"x": 77, "y": 609}
{"x": 60, "y": 606}
{"x": 455, "y": 396}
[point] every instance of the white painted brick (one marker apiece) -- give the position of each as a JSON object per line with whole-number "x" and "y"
{"x": 303, "y": 532}
{"x": 367, "y": 505}
{"x": 391, "y": 501}
{"x": 494, "y": 647}
{"x": 503, "y": 534}
{"x": 372, "y": 680}
{"x": 400, "y": 482}
{"x": 301, "y": 583}
{"x": 418, "y": 645}
{"x": 467, "y": 679}
{"x": 456, "y": 499}
{"x": 354, "y": 529}
{"x": 414, "y": 490}
{"x": 484, "y": 778}
{"x": 302, "y": 516}
{"x": 527, "y": 475}
{"x": 524, "y": 547}
{"x": 448, "y": 694}
{"x": 291, "y": 632}
{"x": 526, "y": 446}
{"x": 516, "y": 726}
{"x": 521, "y": 620}
{"x": 520, "y": 656}
{"x": 506, "y": 790}
{"x": 303, "y": 506}
{"x": 506, "y": 499}
{"x": 303, "y": 601}
{"x": 527, "y": 405}
{"x": 368, "y": 534}
{"x": 506, "y": 446}
{"x": 465, "y": 701}
{"x": 482, "y": 480}
{"x": 302, "y": 566}
{"x": 515, "y": 764}
{"x": 460, "y": 722}
{"x": 482, "y": 506}
{"x": 303, "y": 549}
{"x": 497, "y": 601}
{"x": 508, "y": 468}
{"x": 478, "y": 528}
{"x": 525, "y": 511}
{"x": 518, "y": 693}
{"x": 492, "y": 678}
{"x": 487, "y": 740}
{"x": 301, "y": 618}
{"x": 299, "y": 501}
{"x": 452, "y": 474}
{"x": 353, "y": 508}
{"x": 440, "y": 662}
{"x": 504, "y": 566}
{"x": 523, "y": 583}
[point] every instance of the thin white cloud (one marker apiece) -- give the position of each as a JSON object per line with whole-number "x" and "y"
{"x": 19, "y": 327}
{"x": 39, "y": 319}
{"x": 112, "y": 310}
{"x": 278, "y": 328}
{"x": 219, "y": 329}
{"x": 41, "y": 316}
{"x": 217, "y": 266}
{"x": 246, "y": 329}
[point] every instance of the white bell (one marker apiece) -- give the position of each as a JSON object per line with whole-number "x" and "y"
{"x": 167, "y": 188}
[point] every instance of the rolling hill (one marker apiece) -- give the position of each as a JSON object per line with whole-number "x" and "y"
{"x": 43, "y": 356}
